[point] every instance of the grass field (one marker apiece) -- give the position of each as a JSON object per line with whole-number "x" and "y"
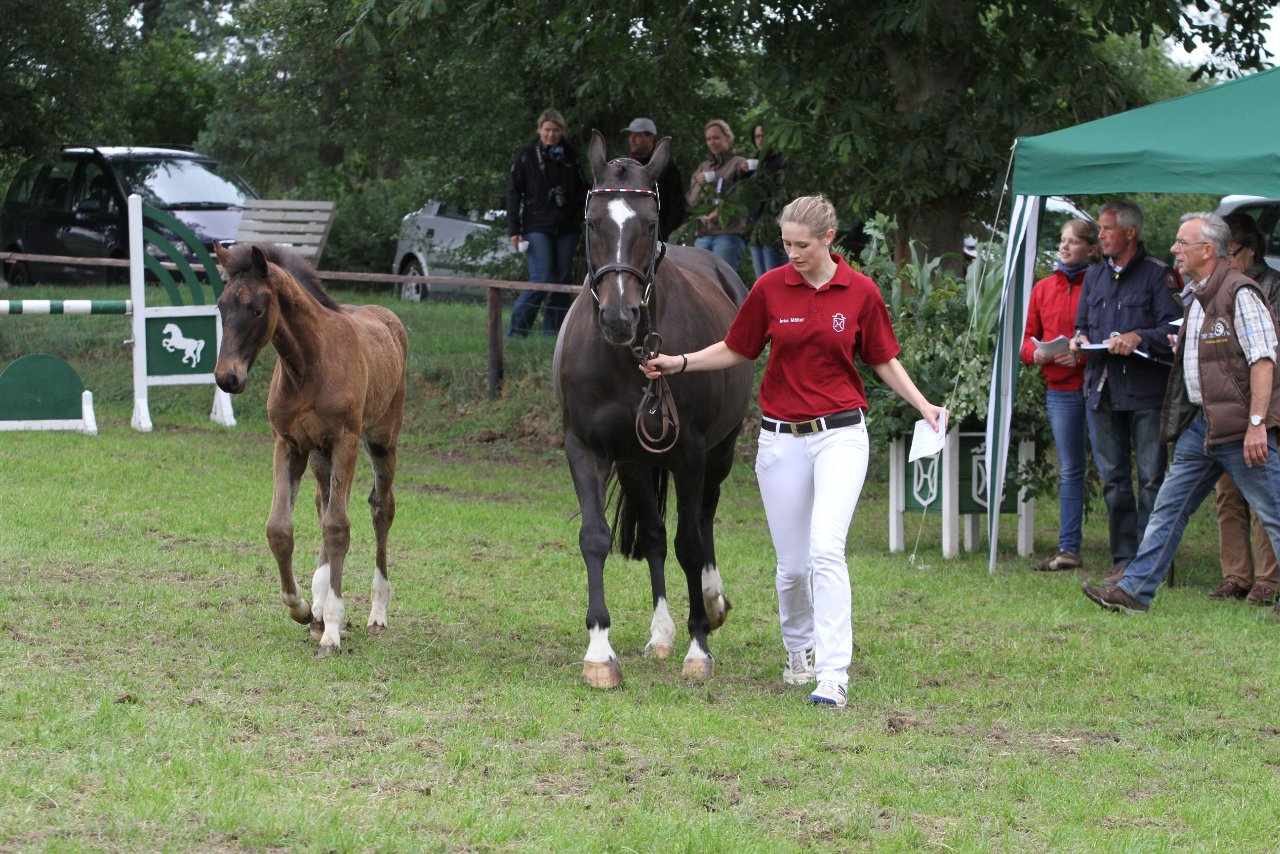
{"x": 154, "y": 695}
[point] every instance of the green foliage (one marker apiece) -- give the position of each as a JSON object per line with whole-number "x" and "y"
{"x": 946, "y": 328}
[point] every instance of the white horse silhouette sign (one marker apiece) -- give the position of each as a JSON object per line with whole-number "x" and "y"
{"x": 181, "y": 346}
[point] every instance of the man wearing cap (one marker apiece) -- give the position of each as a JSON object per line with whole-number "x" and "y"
{"x": 642, "y": 135}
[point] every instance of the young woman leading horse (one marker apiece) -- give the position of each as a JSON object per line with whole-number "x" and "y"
{"x": 640, "y": 295}
{"x": 339, "y": 382}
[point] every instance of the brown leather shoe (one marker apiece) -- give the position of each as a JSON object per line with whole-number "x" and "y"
{"x": 1263, "y": 593}
{"x": 1113, "y": 576}
{"x": 1113, "y": 599}
{"x": 1231, "y": 589}
{"x": 1057, "y": 562}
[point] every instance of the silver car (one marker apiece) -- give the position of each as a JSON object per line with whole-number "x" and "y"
{"x": 439, "y": 240}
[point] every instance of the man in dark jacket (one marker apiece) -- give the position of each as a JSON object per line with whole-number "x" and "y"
{"x": 641, "y": 137}
{"x": 1126, "y": 306}
{"x": 1222, "y": 408}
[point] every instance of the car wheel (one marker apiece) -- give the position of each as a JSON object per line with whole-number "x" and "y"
{"x": 413, "y": 291}
{"x": 17, "y": 273}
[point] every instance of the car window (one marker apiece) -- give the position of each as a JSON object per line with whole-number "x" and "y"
{"x": 93, "y": 184}
{"x": 55, "y": 186}
{"x": 175, "y": 183}
{"x": 1267, "y": 216}
{"x": 23, "y": 184}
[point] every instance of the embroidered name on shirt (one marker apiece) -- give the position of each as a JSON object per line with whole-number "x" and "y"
{"x": 791, "y": 320}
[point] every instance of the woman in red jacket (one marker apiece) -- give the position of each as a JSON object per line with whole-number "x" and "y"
{"x": 1052, "y": 313}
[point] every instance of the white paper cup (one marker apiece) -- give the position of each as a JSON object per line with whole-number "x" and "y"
{"x": 523, "y": 246}
{"x": 752, "y": 164}
{"x": 709, "y": 176}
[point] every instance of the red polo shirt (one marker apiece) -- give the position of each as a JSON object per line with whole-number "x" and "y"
{"x": 814, "y": 335}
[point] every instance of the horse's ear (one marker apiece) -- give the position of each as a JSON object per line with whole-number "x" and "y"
{"x": 595, "y": 155}
{"x": 658, "y": 162}
{"x": 259, "y": 262}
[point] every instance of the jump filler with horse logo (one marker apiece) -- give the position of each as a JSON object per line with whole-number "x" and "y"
{"x": 174, "y": 340}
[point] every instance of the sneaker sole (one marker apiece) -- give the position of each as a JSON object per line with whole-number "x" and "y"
{"x": 1110, "y": 606}
{"x": 794, "y": 681}
{"x": 826, "y": 701}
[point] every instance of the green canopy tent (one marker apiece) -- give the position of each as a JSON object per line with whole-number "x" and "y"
{"x": 1221, "y": 140}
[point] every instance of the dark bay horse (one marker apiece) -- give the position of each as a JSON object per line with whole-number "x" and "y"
{"x": 339, "y": 382}
{"x": 633, "y": 290}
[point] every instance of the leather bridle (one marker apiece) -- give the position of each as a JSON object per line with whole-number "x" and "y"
{"x": 657, "y": 394}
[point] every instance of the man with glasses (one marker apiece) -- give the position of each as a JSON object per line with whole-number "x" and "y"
{"x": 1126, "y": 306}
{"x": 1222, "y": 409}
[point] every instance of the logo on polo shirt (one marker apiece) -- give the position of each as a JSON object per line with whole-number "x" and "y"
{"x": 837, "y": 322}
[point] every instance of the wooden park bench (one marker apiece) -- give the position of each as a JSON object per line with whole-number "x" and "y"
{"x": 300, "y": 225}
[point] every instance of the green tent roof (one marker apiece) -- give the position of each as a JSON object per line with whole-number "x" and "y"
{"x": 1221, "y": 140}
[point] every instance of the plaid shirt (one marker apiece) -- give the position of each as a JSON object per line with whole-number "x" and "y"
{"x": 1254, "y": 330}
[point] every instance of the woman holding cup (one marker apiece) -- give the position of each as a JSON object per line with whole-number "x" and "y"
{"x": 712, "y": 181}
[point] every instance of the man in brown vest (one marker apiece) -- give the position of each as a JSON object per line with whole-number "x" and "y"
{"x": 1221, "y": 408}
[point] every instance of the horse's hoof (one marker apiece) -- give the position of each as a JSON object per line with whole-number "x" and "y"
{"x": 301, "y": 615}
{"x": 317, "y": 630}
{"x": 602, "y": 674}
{"x": 377, "y": 628}
{"x": 699, "y": 668}
{"x": 657, "y": 650}
{"x": 322, "y": 651}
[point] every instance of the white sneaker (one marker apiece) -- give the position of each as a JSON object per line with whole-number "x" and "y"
{"x": 799, "y": 668}
{"x": 829, "y": 693}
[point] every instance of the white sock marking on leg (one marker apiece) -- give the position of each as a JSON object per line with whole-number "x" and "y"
{"x": 662, "y": 630}
{"x": 599, "y": 648}
{"x": 319, "y": 591}
{"x": 334, "y": 611}
{"x": 379, "y": 596}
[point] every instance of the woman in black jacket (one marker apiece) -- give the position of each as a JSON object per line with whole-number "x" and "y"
{"x": 544, "y": 207}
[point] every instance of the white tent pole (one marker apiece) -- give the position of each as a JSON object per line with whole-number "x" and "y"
{"x": 1019, "y": 273}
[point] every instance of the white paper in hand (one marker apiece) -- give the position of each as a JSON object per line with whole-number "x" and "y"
{"x": 926, "y": 441}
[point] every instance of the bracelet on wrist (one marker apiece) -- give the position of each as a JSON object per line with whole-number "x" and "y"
{"x": 684, "y": 364}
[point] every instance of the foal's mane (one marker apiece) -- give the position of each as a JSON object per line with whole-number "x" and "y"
{"x": 240, "y": 261}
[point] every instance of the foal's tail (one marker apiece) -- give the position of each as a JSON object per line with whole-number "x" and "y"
{"x": 626, "y": 518}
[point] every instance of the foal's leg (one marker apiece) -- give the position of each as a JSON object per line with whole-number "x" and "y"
{"x": 638, "y": 483}
{"x": 382, "y": 507}
{"x": 702, "y": 578}
{"x": 600, "y": 666}
{"x": 336, "y": 529}
{"x": 287, "y": 467}
{"x": 323, "y": 472}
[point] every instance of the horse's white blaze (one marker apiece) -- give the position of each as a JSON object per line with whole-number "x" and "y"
{"x": 380, "y": 596}
{"x": 319, "y": 592}
{"x": 662, "y": 631}
{"x": 334, "y": 610}
{"x": 620, "y": 211}
{"x": 712, "y": 592}
{"x": 599, "y": 648}
{"x": 696, "y": 653}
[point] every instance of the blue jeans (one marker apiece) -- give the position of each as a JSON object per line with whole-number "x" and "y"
{"x": 1067, "y": 421}
{"x": 550, "y": 259}
{"x": 765, "y": 258}
{"x": 1117, "y": 437}
{"x": 1192, "y": 475}
{"x": 728, "y": 246}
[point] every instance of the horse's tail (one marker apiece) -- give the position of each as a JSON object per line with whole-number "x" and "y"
{"x": 626, "y": 521}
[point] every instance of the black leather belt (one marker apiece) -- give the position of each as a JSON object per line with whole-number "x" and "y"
{"x": 817, "y": 425}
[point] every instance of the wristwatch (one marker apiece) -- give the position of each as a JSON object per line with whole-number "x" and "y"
{"x": 1255, "y": 420}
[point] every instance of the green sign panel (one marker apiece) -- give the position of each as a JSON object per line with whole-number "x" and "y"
{"x": 924, "y": 481}
{"x": 181, "y": 345}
